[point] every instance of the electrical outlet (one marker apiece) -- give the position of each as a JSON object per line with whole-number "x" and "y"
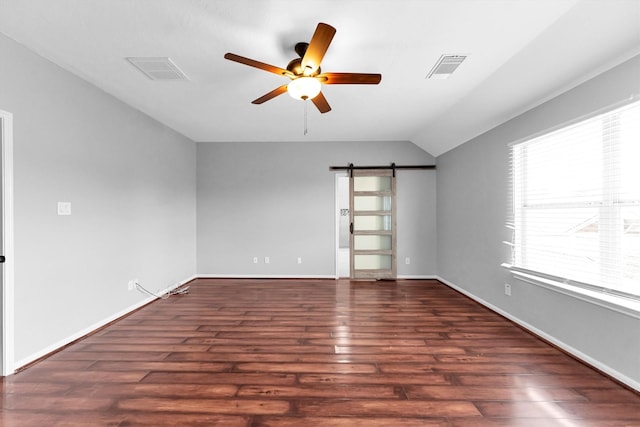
{"x": 507, "y": 289}
{"x": 131, "y": 285}
{"x": 407, "y": 260}
{"x": 266, "y": 260}
{"x": 299, "y": 260}
{"x": 255, "y": 259}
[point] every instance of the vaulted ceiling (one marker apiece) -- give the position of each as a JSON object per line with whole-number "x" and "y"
{"x": 519, "y": 54}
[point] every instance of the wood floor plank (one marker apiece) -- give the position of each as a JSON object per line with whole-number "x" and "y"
{"x": 120, "y": 418}
{"x": 63, "y": 365}
{"x": 269, "y": 333}
{"x": 372, "y": 358}
{"x": 339, "y": 368}
{"x": 378, "y": 342}
{"x": 348, "y": 422}
{"x": 252, "y": 356}
{"x": 544, "y": 359}
{"x": 219, "y": 342}
{"x": 78, "y": 377}
{"x": 537, "y": 381}
{"x": 161, "y": 348}
{"x": 27, "y": 388}
{"x": 518, "y": 409}
{"x": 102, "y": 355}
{"x": 395, "y": 408}
{"x": 486, "y": 393}
{"x": 154, "y": 390}
{"x": 135, "y": 340}
{"x": 208, "y": 406}
{"x": 314, "y": 352}
{"x": 56, "y": 403}
{"x": 480, "y": 368}
{"x": 497, "y": 351}
{"x": 613, "y": 395}
{"x": 219, "y": 378}
{"x": 284, "y": 349}
{"x": 426, "y": 350}
{"x": 527, "y": 422}
{"x": 403, "y": 379}
{"x": 332, "y": 392}
{"x": 243, "y": 328}
{"x": 163, "y": 366}
{"x": 152, "y": 326}
{"x": 602, "y": 411}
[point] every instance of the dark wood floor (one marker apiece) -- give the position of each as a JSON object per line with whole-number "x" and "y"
{"x": 314, "y": 353}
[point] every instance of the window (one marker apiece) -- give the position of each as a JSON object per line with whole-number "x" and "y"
{"x": 576, "y": 203}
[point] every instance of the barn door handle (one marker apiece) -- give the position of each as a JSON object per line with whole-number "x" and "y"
{"x": 351, "y": 228}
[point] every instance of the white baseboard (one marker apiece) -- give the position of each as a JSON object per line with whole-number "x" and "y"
{"x": 86, "y": 331}
{"x": 298, "y": 276}
{"x": 263, "y": 276}
{"x": 560, "y": 344}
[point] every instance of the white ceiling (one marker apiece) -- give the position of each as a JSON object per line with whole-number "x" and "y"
{"x": 521, "y": 53}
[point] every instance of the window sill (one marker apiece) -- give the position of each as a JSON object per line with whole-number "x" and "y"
{"x": 613, "y": 302}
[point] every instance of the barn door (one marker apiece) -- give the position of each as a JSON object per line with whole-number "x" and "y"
{"x": 373, "y": 224}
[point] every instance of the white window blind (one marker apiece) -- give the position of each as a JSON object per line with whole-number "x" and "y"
{"x": 576, "y": 203}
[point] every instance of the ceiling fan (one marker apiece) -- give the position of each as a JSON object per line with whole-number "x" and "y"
{"x": 304, "y": 72}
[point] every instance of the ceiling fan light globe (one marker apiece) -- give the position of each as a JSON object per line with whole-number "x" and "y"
{"x": 304, "y": 88}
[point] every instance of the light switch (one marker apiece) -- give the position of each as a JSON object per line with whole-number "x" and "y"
{"x": 64, "y": 208}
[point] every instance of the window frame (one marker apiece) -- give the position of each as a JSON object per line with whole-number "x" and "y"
{"x": 616, "y": 299}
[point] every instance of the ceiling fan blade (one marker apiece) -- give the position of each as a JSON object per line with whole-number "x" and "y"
{"x": 317, "y": 48}
{"x": 257, "y": 64}
{"x": 264, "y": 98}
{"x": 349, "y": 78}
{"x": 321, "y": 103}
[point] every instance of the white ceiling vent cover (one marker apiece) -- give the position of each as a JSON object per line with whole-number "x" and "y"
{"x": 445, "y": 66}
{"x": 158, "y": 68}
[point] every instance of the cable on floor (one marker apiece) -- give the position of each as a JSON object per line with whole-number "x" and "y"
{"x": 183, "y": 290}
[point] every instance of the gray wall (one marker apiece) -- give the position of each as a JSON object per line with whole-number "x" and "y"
{"x": 472, "y": 200}
{"x": 278, "y": 200}
{"x": 131, "y": 182}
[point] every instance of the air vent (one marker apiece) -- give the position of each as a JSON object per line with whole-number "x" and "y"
{"x": 158, "y": 68}
{"x": 445, "y": 66}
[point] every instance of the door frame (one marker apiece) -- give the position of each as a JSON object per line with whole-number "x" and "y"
{"x": 7, "y": 307}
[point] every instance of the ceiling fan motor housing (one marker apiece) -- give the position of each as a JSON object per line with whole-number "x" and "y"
{"x": 295, "y": 66}
{"x": 301, "y": 48}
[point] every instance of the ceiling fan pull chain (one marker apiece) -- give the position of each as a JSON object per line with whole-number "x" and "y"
{"x": 305, "y": 116}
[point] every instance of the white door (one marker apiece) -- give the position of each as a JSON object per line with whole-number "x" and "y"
{"x": 2, "y": 257}
{"x": 6, "y": 243}
{"x": 342, "y": 226}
